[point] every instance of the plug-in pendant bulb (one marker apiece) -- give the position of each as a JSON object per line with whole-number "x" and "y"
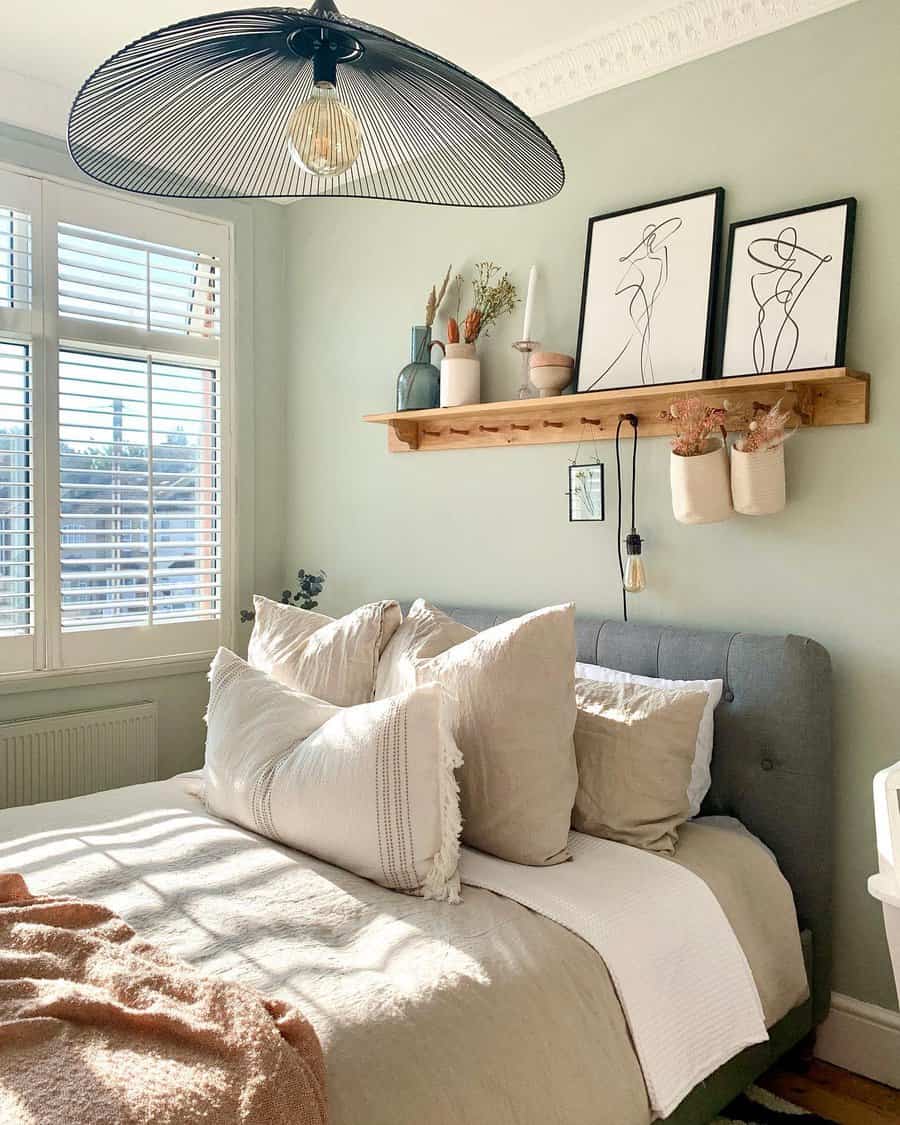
{"x": 323, "y": 136}
{"x": 634, "y": 579}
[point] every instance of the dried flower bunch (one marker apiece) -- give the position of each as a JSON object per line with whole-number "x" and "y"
{"x": 768, "y": 430}
{"x": 491, "y": 299}
{"x": 435, "y": 299}
{"x": 471, "y": 328}
{"x": 694, "y": 422}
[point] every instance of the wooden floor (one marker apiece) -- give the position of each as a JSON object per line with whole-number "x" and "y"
{"x": 833, "y": 1093}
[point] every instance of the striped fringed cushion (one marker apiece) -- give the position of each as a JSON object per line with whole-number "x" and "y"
{"x": 369, "y": 788}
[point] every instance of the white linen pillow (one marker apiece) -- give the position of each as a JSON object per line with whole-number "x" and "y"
{"x": 369, "y": 788}
{"x": 308, "y": 652}
{"x": 426, "y": 631}
{"x": 701, "y": 779}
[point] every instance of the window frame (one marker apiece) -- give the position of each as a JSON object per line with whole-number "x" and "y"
{"x": 48, "y": 652}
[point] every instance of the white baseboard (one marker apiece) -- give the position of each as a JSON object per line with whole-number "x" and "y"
{"x": 862, "y": 1038}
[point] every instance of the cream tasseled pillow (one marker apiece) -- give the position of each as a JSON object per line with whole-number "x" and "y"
{"x": 514, "y": 715}
{"x": 368, "y": 788}
{"x": 635, "y": 748}
{"x": 332, "y": 660}
{"x": 426, "y": 631}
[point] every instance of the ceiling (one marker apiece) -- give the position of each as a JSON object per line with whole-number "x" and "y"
{"x": 482, "y": 37}
{"x": 541, "y": 63}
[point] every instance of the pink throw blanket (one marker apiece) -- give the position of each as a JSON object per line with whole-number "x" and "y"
{"x": 100, "y": 1028}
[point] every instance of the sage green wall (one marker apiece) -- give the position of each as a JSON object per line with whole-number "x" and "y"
{"x": 259, "y": 250}
{"x": 798, "y": 117}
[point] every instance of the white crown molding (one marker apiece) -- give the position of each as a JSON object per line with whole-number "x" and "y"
{"x": 615, "y": 56}
{"x": 862, "y": 1038}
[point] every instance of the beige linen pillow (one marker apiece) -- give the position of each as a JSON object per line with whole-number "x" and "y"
{"x": 425, "y": 632}
{"x": 368, "y": 788}
{"x": 635, "y": 749}
{"x": 332, "y": 660}
{"x": 514, "y": 692}
{"x": 701, "y": 778}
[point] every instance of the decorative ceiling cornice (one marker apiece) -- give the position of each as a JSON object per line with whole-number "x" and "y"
{"x": 616, "y": 56}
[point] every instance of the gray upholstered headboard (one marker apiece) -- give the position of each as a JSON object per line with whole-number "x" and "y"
{"x": 772, "y": 764}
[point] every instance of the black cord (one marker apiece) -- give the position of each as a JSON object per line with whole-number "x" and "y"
{"x": 619, "y": 518}
{"x": 632, "y": 419}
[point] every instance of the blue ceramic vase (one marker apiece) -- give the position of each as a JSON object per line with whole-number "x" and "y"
{"x": 419, "y": 383}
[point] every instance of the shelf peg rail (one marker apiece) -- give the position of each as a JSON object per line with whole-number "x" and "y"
{"x": 833, "y": 396}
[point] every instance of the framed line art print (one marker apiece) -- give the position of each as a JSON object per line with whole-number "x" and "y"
{"x": 787, "y": 289}
{"x": 648, "y": 293}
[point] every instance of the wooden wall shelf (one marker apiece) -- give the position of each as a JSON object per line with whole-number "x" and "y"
{"x": 833, "y": 396}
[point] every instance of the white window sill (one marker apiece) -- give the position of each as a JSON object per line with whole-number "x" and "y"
{"x": 12, "y": 683}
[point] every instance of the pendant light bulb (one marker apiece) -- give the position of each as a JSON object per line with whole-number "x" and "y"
{"x": 323, "y": 136}
{"x": 635, "y": 578}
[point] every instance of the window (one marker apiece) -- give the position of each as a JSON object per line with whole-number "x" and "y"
{"x": 15, "y": 258}
{"x": 114, "y": 510}
{"x": 15, "y": 489}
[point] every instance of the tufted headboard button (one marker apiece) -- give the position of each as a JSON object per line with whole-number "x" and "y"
{"x": 767, "y": 764}
{"x": 728, "y": 696}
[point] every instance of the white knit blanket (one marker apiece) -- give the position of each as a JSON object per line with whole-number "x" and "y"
{"x": 682, "y": 978}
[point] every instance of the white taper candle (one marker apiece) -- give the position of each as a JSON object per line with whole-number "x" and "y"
{"x": 529, "y": 304}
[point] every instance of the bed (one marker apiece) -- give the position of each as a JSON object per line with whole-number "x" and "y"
{"x": 772, "y": 769}
{"x": 485, "y": 1011}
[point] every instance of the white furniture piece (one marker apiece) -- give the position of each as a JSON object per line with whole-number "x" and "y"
{"x": 885, "y": 886}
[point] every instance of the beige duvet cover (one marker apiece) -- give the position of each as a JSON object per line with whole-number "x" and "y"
{"x": 429, "y": 1014}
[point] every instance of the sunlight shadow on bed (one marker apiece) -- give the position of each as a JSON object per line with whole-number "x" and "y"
{"x": 233, "y": 904}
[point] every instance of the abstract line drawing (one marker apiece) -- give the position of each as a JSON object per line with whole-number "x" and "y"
{"x": 777, "y": 289}
{"x": 646, "y": 276}
{"x": 787, "y": 290}
{"x": 648, "y": 293}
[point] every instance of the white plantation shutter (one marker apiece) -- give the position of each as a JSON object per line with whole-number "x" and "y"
{"x": 187, "y": 497}
{"x": 16, "y": 529}
{"x": 140, "y": 497}
{"x": 109, "y": 279}
{"x": 115, "y": 523}
{"x": 138, "y": 306}
{"x": 20, "y": 313}
{"x": 15, "y": 258}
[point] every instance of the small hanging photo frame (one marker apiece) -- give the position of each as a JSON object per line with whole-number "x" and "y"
{"x": 587, "y": 501}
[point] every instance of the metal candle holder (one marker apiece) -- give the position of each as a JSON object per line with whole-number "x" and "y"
{"x": 525, "y": 348}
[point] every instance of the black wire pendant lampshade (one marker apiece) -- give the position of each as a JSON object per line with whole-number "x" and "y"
{"x": 269, "y": 102}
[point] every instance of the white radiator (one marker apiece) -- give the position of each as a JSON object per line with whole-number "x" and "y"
{"x": 68, "y": 755}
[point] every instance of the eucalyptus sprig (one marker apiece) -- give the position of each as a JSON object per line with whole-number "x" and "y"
{"x": 310, "y": 586}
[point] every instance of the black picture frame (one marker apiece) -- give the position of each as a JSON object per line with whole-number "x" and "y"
{"x": 594, "y": 466}
{"x": 708, "y": 358}
{"x": 843, "y": 309}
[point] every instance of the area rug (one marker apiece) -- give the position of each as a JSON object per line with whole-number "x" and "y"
{"x": 758, "y": 1107}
